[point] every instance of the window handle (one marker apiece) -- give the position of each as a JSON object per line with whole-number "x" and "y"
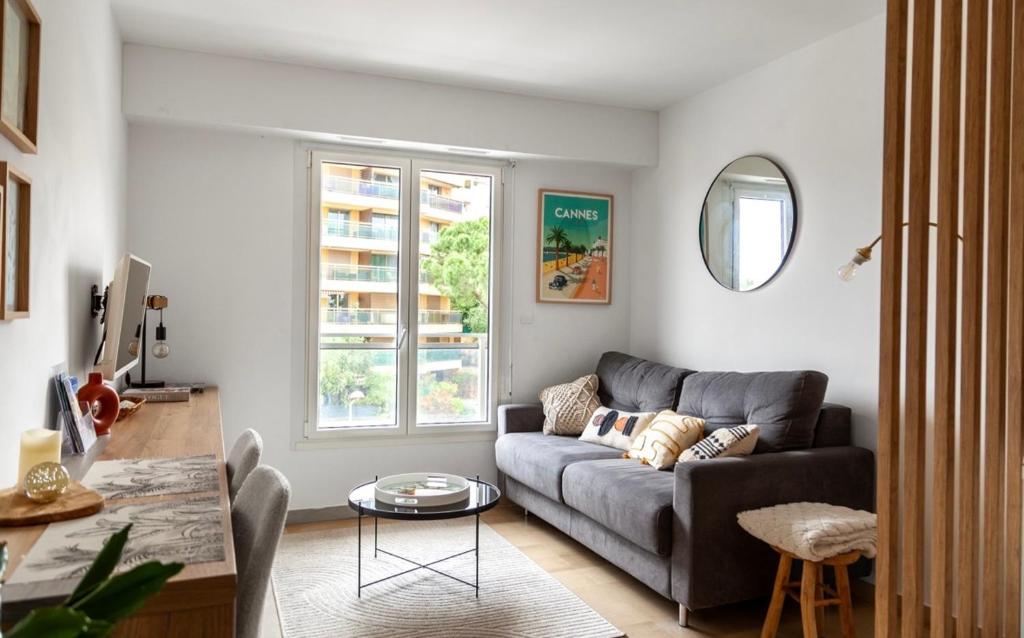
{"x": 401, "y": 338}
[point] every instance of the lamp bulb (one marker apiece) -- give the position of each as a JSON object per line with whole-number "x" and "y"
{"x": 847, "y": 271}
{"x": 161, "y": 349}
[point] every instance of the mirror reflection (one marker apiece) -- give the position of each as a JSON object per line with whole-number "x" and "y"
{"x": 748, "y": 223}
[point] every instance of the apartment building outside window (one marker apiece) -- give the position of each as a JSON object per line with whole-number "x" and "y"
{"x": 401, "y": 315}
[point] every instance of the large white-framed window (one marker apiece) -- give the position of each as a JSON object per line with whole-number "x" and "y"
{"x": 402, "y": 321}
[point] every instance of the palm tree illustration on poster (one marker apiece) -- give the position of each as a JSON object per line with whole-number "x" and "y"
{"x": 574, "y": 247}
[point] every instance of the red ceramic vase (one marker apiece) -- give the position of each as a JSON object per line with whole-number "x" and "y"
{"x": 102, "y": 400}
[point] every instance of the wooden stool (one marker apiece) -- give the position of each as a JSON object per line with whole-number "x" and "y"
{"x": 812, "y": 593}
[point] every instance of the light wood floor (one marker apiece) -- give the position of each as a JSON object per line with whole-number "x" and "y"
{"x": 621, "y": 599}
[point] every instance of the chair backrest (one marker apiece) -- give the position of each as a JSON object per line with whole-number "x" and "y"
{"x": 257, "y": 520}
{"x": 244, "y": 457}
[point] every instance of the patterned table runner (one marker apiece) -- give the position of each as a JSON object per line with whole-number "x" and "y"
{"x": 186, "y": 531}
{"x": 132, "y": 478}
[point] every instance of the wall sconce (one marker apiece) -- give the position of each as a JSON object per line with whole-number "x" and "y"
{"x": 848, "y": 271}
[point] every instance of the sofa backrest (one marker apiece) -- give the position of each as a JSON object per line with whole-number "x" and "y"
{"x": 786, "y": 405}
{"x": 637, "y": 385}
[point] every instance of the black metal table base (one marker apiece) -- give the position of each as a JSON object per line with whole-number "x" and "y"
{"x": 418, "y": 566}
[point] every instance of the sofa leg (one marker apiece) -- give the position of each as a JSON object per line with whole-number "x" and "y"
{"x": 684, "y": 616}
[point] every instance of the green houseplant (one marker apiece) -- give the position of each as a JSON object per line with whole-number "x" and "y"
{"x": 100, "y": 600}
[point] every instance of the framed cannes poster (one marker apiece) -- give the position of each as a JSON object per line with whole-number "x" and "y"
{"x": 574, "y": 247}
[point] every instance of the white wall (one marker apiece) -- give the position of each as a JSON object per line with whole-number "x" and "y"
{"x": 78, "y": 213}
{"x": 818, "y": 112}
{"x": 220, "y": 216}
{"x": 220, "y": 91}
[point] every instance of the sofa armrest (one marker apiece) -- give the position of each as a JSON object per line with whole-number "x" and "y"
{"x": 716, "y": 562}
{"x": 520, "y": 417}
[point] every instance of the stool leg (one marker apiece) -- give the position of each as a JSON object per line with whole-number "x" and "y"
{"x": 808, "y": 589}
{"x": 820, "y": 611}
{"x": 771, "y": 621}
{"x": 845, "y": 604}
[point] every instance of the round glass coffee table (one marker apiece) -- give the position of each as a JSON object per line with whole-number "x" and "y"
{"x": 482, "y": 497}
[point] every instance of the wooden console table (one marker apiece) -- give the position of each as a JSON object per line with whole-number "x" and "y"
{"x": 198, "y": 602}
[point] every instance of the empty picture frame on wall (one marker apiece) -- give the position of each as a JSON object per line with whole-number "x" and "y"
{"x": 15, "y": 232}
{"x": 20, "y": 28}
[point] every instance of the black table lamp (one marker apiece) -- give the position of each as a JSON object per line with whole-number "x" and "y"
{"x": 160, "y": 348}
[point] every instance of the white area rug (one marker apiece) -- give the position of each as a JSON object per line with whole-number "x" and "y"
{"x": 315, "y": 582}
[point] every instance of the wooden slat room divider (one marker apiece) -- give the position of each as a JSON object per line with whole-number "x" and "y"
{"x": 972, "y": 123}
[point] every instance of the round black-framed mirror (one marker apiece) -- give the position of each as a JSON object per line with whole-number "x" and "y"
{"x": 748, "y": 223}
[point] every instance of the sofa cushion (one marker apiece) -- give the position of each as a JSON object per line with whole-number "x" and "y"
{"x": 784, "y": 404}
{"x": 537, "y": 460}
{"x": 630, "y": 499}
{"x": 637, "y": 385}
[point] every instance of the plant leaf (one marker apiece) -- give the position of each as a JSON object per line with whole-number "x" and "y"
{"x": 52, "y": 622}
{"x": 97, "y": 629}
{"x": 125, "y": 593}
{"x": 102, "y": 567}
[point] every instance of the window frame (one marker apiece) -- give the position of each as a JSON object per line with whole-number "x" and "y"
{"x": 406, "y": 426}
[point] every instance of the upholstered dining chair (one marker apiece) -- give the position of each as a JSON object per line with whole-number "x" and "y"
{"x": 257, "y": 520}
{"x": 244, "y": 457}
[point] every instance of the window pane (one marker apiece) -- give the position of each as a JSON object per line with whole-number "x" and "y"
{"x": 761, "y": 240}
{"x": 359, "y": 240}
{"x": 452, "y": 306}
{"x": 357, "y": 387}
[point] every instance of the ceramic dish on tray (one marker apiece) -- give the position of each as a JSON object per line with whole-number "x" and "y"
{"x": 422, "y": 489}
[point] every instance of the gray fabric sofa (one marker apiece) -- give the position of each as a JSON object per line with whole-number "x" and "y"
{"x": 676, "y": 530}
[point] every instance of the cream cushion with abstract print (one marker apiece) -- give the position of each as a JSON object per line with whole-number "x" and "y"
{"x": 616, "y": 428}
{"x": 665, "y": 439}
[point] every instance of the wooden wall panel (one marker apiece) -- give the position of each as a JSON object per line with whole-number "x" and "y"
{"x": 1015, "y": 334}
{"x": 978, "y": 355}
{"x": 995, "y": 329}
{"x": 971, "y": 313}
{"x": 890, "y": 369}
{"x": 915, "y": 403}
{"x": 946, "y": 287}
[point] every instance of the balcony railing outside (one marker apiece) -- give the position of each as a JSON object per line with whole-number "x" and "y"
{"x": 355, "y": 272}
{"x": 428, "y": 237}
{"x": 364, "y": 187}
{"x": 352, "y": 272}
{"x": 387, "y": 190}
{"x": 440, "y": 202}
{"x": 370, "y": 316}
{"x": 359, "y": 230}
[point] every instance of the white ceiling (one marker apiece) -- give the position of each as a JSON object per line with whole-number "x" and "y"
{"x": 636, "y": 53}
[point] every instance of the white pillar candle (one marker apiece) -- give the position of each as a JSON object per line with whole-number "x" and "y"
{"x": 37, "y": 446}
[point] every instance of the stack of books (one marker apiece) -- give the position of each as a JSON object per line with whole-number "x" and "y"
{"x": 73, "y": 416}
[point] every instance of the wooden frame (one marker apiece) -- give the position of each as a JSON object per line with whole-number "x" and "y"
{"x": 11, "y": 177}
{"x": 540, "y": 274}
{"x": 23, "y": 135}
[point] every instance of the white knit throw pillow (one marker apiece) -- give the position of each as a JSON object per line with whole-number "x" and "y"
{"x": 567, "y": 407}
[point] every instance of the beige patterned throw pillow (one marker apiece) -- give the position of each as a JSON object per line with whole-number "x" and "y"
{"x": 665, "y": 439}
{"x": 567, "y": 407}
